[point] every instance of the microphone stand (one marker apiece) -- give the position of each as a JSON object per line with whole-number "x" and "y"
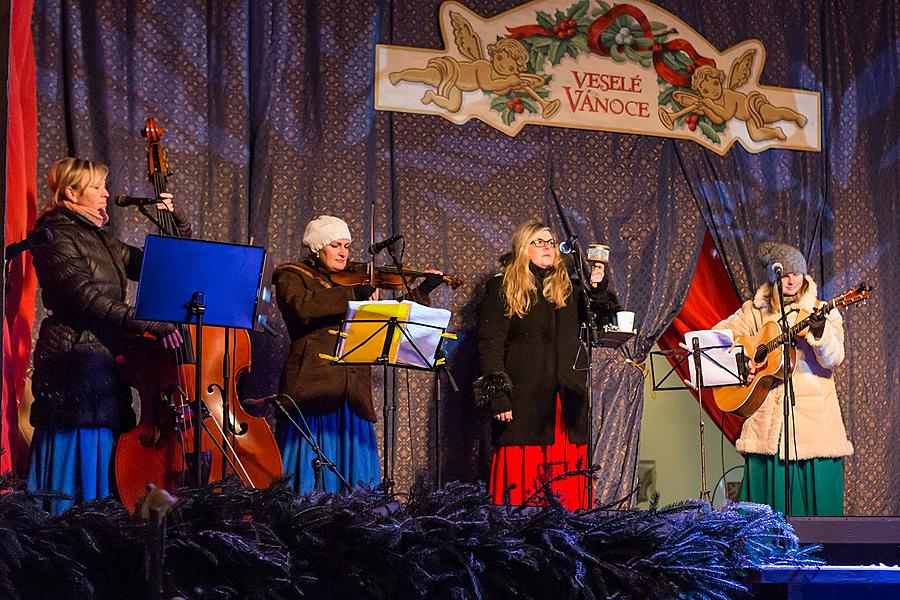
{"x": 588, "y": 335}
{"x": 321, "y": 460}
{"x": 788, "y": 400}
{"x": 390, "y": 411}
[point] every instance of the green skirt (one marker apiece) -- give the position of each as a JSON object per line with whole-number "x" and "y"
{"x": 817, "y": 484}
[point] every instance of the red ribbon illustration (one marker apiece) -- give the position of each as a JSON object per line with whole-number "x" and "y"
{"x": 602, "y": 23}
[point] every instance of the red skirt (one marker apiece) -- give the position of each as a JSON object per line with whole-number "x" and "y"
{"x": 524, "y": 468}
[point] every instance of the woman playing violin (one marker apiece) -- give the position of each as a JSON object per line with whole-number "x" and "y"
{"x": 79, "y": 402}
{"x": 336, "y": 401}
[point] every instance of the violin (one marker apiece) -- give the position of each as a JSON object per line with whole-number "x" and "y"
{"x": 386, "y": 277}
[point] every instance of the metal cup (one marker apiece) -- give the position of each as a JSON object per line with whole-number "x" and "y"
{"x": 598, "y": 253}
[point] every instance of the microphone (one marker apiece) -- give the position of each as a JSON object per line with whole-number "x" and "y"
{"x": 376, "y": 248}
{"x": 568, "y": 246}
{"x": 38, "y": 237}
{"x": 123, "y": 201}
{"x": 778, "y": 269}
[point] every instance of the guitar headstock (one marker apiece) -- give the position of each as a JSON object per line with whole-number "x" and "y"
{"x": 852, "y": 296}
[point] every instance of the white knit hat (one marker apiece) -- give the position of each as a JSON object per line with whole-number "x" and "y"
{"x": 323, "y": 230}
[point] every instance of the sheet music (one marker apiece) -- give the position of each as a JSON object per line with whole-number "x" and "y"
{"x": 719, "y": 365}
{"x": 425, "y": 338}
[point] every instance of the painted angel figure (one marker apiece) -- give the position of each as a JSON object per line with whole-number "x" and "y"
{"x": 502, "y": 72}
{"x": 720, "y": 104}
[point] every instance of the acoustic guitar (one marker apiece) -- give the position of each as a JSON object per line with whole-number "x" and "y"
{"x": 764, "y": 350}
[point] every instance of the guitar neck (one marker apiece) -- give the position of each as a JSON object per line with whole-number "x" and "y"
{"x": 800, "y": 325}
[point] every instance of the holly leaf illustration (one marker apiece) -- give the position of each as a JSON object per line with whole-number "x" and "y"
{"x": 719, "y": 127}
{"x": 557, "y": 53}
{"x": 538, "y": 41}
{"x": 508, "y": 116}
{"x": 615, "y": 53}
{"x": 580, "y": 43}
{"x": 529, "y": 105}
{"x": 545, "y": 20}
{"x": 499, "y": 103}
{"x": 560, "y": 15}
{"x": 665, "y": 97}
{"x": 578, "y": 9}
{"x": 535, "y": 62}
{"x": 710, "y": 132}
{"x": 656, "y": 25}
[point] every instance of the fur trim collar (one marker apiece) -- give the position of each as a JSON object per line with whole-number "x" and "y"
{"x": 766, "y": 297}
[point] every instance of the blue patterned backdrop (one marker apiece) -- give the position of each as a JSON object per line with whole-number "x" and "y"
{"x": 269, "y": 111}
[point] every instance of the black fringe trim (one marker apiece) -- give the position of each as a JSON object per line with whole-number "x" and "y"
{"x": 492, "y": 390}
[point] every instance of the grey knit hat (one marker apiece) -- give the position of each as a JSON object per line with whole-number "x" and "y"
{"x": 791, "y": 259}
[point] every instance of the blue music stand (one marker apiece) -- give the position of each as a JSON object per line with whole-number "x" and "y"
{"x": 230, "y": 277}
{"x": 205, "y": 283}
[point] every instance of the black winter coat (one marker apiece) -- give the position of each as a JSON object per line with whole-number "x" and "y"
{"x": 538, "y": 354}
{"x": 83, "y": 273}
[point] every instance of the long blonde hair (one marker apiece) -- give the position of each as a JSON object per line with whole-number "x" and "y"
{"x": 70, "y": 173}
{"x": 519, "y": 287}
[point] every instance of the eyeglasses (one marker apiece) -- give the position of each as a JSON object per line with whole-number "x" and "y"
{"x": 543, "y": 243}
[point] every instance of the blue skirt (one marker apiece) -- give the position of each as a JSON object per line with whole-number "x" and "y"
{"x": 345, "y": 439}
{"x": 74, "y": 462}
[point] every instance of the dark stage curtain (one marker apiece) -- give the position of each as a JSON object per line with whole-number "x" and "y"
{"x": 268, "y": 107}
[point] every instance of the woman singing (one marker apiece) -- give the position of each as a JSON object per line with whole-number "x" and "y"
{"x": 336, "y": 401}
{"x": 79, "y": 402}
{"x": 528, "y": 345}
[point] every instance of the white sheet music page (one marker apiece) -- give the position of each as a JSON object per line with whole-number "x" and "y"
{"x": 718, "y": 364}
{"x": 425, "y": 338}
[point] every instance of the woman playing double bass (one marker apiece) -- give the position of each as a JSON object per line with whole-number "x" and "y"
{"x": 336, "y": 401}
{"x": 80, "y": 404}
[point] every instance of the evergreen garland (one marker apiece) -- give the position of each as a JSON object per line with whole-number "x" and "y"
{"x": 228, "y": 541}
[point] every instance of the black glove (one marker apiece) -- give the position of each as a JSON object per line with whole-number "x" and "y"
{"x": 363, "y": 292}
{"x": 157, "y": 328}
{"x": 430, "y": 283}
{"x": 817, "y": 325}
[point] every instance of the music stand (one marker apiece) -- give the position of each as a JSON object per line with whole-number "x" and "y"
{"x": 610, "y": 337}
{"x": 715, "y": 351}
{"x": 182, "y": 282}
{"x": 394, "y": 334}
{"x": 613, "y": 337}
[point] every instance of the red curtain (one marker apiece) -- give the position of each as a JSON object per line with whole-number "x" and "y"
{"x": 710, "y": 299}
{"x": 21, "y": 212}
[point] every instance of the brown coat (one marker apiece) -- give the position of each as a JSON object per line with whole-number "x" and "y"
{"x": 817, "y": 415}
{"x": 311, "y": 304}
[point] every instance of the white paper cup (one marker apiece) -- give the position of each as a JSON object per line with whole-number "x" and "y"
{"x": 625, "y": 320}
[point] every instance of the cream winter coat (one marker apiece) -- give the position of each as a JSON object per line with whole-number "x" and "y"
{"x": 817, "y": 415}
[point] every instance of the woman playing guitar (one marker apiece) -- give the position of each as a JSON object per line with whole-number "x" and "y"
{"x": 818, "y": 438}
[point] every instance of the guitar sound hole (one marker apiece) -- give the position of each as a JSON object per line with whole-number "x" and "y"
{"x": 761, "y": 353}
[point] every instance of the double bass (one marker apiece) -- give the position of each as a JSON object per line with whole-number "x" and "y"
{"x": 160, "y": 450}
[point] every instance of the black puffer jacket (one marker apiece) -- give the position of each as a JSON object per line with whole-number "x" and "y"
{"x": 83, "y": 274}
{"x": 525, "y": 362}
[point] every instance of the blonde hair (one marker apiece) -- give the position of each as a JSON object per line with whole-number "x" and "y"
{"x": 72, "y": 173}
{"x": 519, "y": 287}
